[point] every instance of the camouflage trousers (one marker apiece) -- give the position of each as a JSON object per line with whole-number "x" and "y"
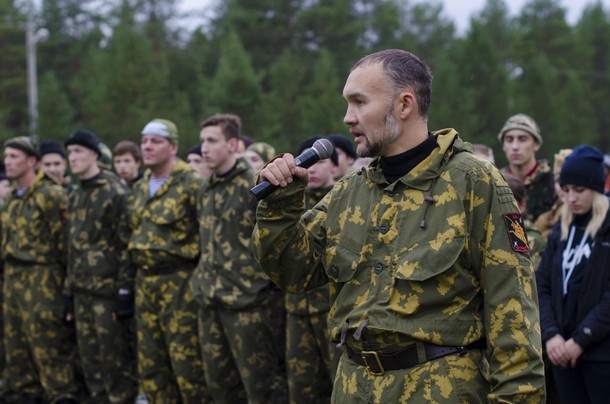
{"x": 39, "y": 357}
{"x": 169, "y": 357}
{"x": 450, "y": 379}
{"x": 312, "y": 359}
{"x": 240, "y": 360}
{"x": 278, "y": 323}
{"x": 106, "y": 351}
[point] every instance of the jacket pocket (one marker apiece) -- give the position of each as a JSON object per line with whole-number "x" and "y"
{"x": 341, "y": 263}
{"x": 429, "y": 259}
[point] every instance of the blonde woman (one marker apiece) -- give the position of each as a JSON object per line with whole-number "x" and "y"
{"x": 574, "y": 283}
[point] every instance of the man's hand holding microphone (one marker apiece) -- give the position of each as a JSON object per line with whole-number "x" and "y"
{"x": 281, "y": 171}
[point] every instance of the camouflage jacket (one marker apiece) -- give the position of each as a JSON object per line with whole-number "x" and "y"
{"x": 315, "y": 301}
{"x": 98, "y": 238}
{"x": 540, "y": 189}
{"x": 33, "y": 224}
{"x": 227, "y": 274}
{"x": 536, "y": 242}
{"x": 427, "y": 258}
{"x": 164, "y": 227}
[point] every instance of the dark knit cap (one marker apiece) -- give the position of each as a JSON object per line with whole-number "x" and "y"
{"x": 584, "y": 167}
{"x": 195, "y": 150}
{"x": 344, "y": 143}
{"x": 51, "y": 146}
{"x": 307, "y": 143}
{"x": 24, "y": 143}
{"x": 85, "y": 138}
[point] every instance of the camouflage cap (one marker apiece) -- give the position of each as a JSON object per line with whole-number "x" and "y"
{"x": 105, "y": 160}
{"x": 24, "y": 143}
{"x": 162, "y": 128}
{"x": 522, "y": 122}
{"x": 265, "y": 150}
{"x": 560, "y": 157}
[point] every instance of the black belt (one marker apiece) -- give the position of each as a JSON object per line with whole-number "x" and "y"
{"x": 167, "y": 268}
{"x": 377, "y": 363}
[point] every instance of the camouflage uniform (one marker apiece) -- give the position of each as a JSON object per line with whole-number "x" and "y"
{"x": 241, "y": 362}
{"x": 164, "y": 246}
{"x": 536, "y": 242}
{"x": 540, "y": 190}
{"x": 38, "y": 356}
{"x": 312, "y": 358}
{"x": 97, "y": 253}
{"x": 424, "y": 260}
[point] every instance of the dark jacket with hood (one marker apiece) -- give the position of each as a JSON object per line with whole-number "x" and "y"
{"x": 593, "y": 319}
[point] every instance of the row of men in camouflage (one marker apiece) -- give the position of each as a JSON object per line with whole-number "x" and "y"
{"x": 209, "y": 327}
{"x": 78, "y": 256}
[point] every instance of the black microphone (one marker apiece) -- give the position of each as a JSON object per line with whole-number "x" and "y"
{"x": 320, "y": 150}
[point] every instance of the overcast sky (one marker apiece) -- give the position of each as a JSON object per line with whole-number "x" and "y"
{"x": 458, "y": 10}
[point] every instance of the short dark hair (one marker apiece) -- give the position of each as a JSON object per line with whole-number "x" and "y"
{"x": 229, "y": 124}
{"x": 516, "y": 185}
{"x": 127, "y": 146}
{"x": 404, "y": 70}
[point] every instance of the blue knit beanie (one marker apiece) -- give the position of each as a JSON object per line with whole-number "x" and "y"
{"x": 584, "y": 167}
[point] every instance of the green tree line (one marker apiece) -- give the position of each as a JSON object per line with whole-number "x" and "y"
{"x": 281, "y": 65}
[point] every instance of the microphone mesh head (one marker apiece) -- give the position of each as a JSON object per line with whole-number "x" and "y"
{"x": 324, "y": 148}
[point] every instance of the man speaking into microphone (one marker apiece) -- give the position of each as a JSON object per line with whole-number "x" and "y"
{"x": 432, "y": 290}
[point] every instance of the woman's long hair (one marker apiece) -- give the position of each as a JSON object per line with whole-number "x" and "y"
{"x": 599, "y": 210}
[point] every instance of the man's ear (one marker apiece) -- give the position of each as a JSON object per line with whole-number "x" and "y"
{"x": 233, "y": 144}
{"x": 408, "y": 103}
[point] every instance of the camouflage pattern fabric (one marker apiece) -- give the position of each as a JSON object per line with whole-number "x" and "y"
{"x": 536, "y": 242}
{"x": 235, "y": 295}
{"x": 165, "y": 234}
{"x": 169, "y": 357}
{"x": 312, "y": 357}
{"x": 164, "y": 226}
{"x": 240, "y": 360}
{"x": 227, "y": 274}
{"x": 98, "y": 237}
{"x": 106, "y": 352}
{"x": 38, "y": 355}
{"x": 547, "y": 220}
{"x": 427, "y": 258}
{"x": 540, "y": 190}
{"x": 97, "y": 254}
{"x": 450, "y": 379}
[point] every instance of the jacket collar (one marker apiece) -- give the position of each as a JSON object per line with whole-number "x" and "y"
{"x": 240, "y": 166}
{"x": 424, "y": 173}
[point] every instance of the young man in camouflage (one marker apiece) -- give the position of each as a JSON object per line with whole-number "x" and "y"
{"x": 164, "y": 247}
{"x": 234, "y": 294}
{"x": 97, "y": 254}
{"x": 521, "y": 139}
{"x": 311, "y": 356}
{"x": 127, "y": 159}
{"x": 431, "y": 286}
{"x": 38, "y": 354}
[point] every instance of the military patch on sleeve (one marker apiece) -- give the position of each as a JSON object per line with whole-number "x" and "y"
{"x": 516, "y": 232}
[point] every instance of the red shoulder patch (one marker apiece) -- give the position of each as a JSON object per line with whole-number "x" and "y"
{"x": 516, "y": 232}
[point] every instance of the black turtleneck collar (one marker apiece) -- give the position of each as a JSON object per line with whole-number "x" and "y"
{"x": 395, "y": 167}
{"x": 87, "y": 181}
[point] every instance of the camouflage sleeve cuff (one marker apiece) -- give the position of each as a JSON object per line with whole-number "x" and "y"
{"x": 291, "y": 195}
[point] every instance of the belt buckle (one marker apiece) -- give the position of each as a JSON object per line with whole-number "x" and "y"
{"x": 365, "y": 355}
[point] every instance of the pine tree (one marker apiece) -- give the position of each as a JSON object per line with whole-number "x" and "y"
{"x": 56, "y": 113}
{"x": 322, "y": 107}
{"x": 14, "y": 115}
{"x": 235, "y": 87}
